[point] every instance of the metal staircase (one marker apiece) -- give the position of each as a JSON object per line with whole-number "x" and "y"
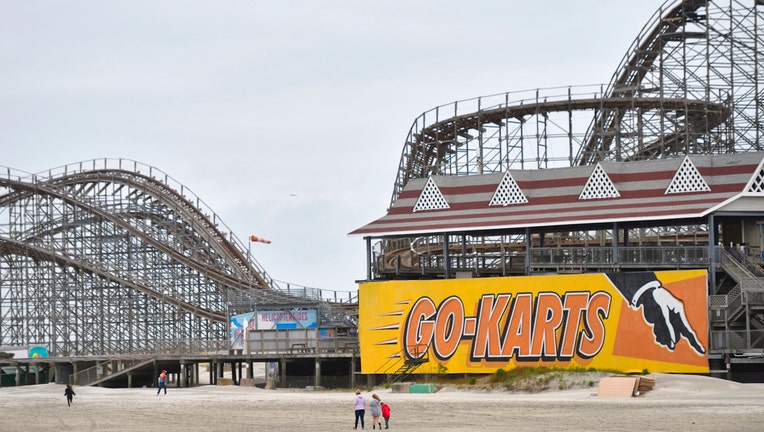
{"x": 402, "y": 367}
{"x": 405, "y": 370}
{"x": 109, "y": 370}
{"x": 737, "y": 318}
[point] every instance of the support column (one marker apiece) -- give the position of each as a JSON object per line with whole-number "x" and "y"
{"x": 250, "y": 371}
{"x": 713, "y": 234}
{"x": 317, "y": 380}
{"x": 446, "y": 258}
{"x": 527, "y": 251}
{"x": 504, "y": 258}
{"x": 463, "y": 261}
{"x": 283, "y": 372}
{"x": 154, "y": 376}
{"x": 369, "y": 258}
{"x": 74, "y": 374}
{"x": 747, "y": 326}
{"x": 18, "y": 374}
{"x": 729, "y": 366}
{"x": 352, "y": 371}
{"x": 183, "y": 375}
{"x": 616, "y": 258}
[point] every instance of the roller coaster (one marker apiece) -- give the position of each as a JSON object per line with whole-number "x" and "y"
{"x": 688, "y": 84}
{"x": 112, "y": 256}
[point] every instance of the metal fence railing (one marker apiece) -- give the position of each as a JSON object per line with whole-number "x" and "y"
{"x": 505, "y": 260}
{"x": 301, "y": 341}
{"x": 106, "y": 368}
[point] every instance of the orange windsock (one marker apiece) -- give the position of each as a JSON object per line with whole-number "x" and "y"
{"x": 255, "y": 238}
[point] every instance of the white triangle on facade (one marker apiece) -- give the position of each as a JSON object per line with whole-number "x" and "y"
{"x": 430, "y": 198}
{"x": 508, "y": 192}
{"x": 687, "y": 179}
{"x": 599, "y": 186}
{"x": 756, "y": 183}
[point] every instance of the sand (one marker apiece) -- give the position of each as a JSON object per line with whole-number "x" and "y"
{"x": 677, "y": 403}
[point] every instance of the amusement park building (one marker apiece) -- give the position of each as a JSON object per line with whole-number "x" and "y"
{"x": 662, "y": 169}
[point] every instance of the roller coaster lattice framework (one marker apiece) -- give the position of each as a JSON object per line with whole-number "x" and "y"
{"x": 111, "y": 256}
{"x": 690, "y": 83}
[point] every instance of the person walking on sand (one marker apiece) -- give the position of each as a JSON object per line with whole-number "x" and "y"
{"x": 360, "y": 408}
{"x": 69, "y": 393}
{"x": 376, "y": 411}
{"x": 386, "y": 414}
{"x": 162, "y": 382}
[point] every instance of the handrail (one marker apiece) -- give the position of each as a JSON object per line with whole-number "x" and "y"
{"x": 92, "y": 374}
{"x": 313, "y": 293}
{"x": 495, "y": 257}
{"x": 743, "y": 261}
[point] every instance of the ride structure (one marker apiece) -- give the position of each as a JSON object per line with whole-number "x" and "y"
{"x": 111, "y": 256}
{"x": 659, "y": 169}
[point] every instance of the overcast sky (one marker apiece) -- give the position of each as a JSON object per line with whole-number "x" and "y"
{"x": 287, "y": 118}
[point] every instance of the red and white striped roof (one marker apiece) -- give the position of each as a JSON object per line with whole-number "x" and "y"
{"x": 678, "y": 188}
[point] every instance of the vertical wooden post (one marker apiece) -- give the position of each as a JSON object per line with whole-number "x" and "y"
{"x": 317, "y": 380}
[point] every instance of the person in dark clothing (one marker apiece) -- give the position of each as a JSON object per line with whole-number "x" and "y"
{"x": 69, "y": 393}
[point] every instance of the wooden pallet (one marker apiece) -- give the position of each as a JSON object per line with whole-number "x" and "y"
{"x": 624, "y": 386}
{"x": 646, "y": 384}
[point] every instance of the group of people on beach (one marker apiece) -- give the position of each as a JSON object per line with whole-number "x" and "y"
{"x": 161, "y": 385}
{"x": 376, "y": 406}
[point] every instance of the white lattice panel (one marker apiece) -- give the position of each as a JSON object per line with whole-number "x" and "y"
{"x": 508, "y": 192}
{"x": 431, "y": 198}
{"x": 687, "y": 179}
{"x": 599, "y": 186}
{"x": 756, "y": 185}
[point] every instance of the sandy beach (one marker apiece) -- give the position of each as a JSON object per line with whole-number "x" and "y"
{"x": 677, "y": 403}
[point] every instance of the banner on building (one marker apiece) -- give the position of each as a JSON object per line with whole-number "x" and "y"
{"x": 287, "y": 319}
{"x": 269, "y": 320}
{"x": 240, "y": 324}
{"x": 630, "y": 322}
{"x": 38, "y": 352}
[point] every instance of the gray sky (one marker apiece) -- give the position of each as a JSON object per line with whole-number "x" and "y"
{"x": 287, "y": 118}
